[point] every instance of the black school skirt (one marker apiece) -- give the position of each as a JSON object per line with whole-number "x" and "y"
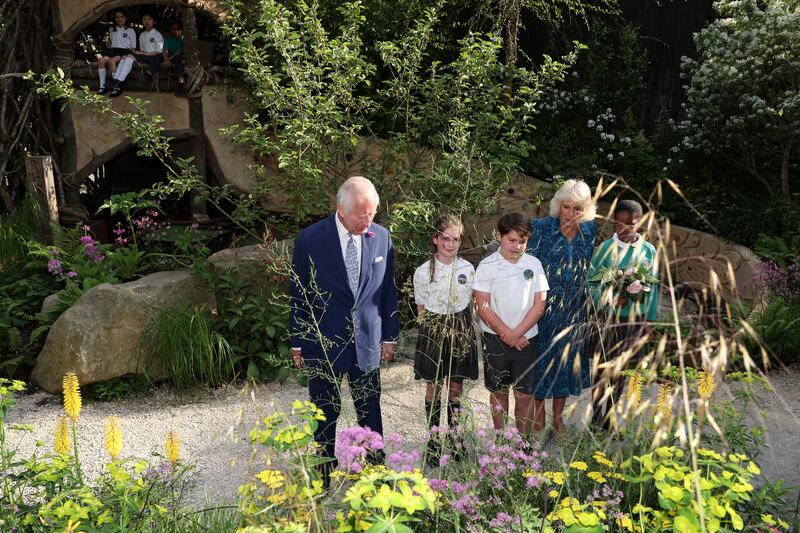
{"x": 117, "y": 52}
{"x": 446, "y": 348}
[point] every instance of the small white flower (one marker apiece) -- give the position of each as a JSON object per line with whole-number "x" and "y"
{"x": 610, "y": 156}
{"x": 622, "y": 154}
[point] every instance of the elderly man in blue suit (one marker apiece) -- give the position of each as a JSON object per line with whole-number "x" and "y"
{"x": 344, "y": 309}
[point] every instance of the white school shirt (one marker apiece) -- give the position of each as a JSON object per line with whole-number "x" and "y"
{"x": 122, "y": 37}
{"x": 512, "y": 287}
{"x": 344, "y": 236}
{"x": 451, "y": 288}
{"x": 151, "y": 41}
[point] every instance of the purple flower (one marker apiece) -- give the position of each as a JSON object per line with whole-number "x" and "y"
{"x": 72, "y": 274}
{"x": 86, "y": 240}
{"x": 438, "y": 485}
{"x": 501, "y": 519}
{"x": 354, "y": 444}
{"x": 444, "y": 459}
{"x": 370, "y": 234}
{"x": 403, "y": 461}
{"x": 54, "y": 267}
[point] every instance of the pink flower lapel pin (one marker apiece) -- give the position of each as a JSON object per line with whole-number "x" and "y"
{"x": 370, "y": 234}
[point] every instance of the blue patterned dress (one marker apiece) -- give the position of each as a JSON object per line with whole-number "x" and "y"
{"x": 562, "y": 367}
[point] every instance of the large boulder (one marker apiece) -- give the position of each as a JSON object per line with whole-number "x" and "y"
{"x": 250, "y": 261}
{"x": 98, "y": 336}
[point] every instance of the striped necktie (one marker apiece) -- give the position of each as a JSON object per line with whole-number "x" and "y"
{"x": 351, "y": 263}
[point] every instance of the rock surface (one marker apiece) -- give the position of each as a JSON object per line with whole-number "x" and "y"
{"x": 98, "y": 335}
{"x": 250, "y": 260}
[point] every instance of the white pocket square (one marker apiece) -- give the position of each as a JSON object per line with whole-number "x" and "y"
{"x": 378, "y": 259}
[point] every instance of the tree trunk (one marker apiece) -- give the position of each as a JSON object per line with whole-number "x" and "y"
{"x": 510, "y": 46}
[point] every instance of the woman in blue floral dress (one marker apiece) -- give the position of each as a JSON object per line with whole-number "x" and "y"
{"x": 563, "y": 242}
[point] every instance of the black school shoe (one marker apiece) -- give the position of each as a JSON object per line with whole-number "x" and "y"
{"x": 181, "y": 90}
{"x": 103, "y": 90}
{"x": 117, "y": 90}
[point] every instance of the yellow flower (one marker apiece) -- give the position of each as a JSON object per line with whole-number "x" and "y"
{"x": 665, "y": 400}
{"x": 602, "y": 458}
{"x": 62, "y": 444}
{"x": 271, "y": 478}
{"x": 596, "y": 476}
{"x": 635, "y": 389}
{"x": 553, "y": 494}
{"x": 72, "y": 396}
{"x": 578, "y": 465}
{"x": 705, "y": 384}
{"x": 555, "y": 477}
{"x": 172, "y": 446}
{"x": 113, "y": 437}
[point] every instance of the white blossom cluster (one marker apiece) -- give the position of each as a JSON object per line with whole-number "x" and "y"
{"x": 743, "y": 89}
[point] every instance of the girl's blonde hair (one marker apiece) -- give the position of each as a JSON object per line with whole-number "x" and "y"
{"x": 578, "y": 192}
{"x": 445, "y": 221}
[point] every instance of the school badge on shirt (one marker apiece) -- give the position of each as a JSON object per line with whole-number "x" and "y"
{"x": 152, "y": 39}
{"x": 528, "y": 274}
{"x": 462, "y": 279}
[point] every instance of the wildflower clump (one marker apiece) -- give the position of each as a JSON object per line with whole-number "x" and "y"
{"x": 72, "y": 396}
{"x": 62, "y": 438}
{"x": 705, "y": 384}
{"x": 389, "y": 496}
{"x": 113, "y": 437}
{"x": 664, "y": 405}
{"x": 172, "y": 447}
{"x": 635, "y": 388}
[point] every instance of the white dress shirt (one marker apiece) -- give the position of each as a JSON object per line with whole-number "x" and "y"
{"x": 512, "y": 286}
{"x": 451, "y": 288}
{"x": 344, "y": 237}
{"x": 122, "y": 37}
{"x": 151, "y": 41}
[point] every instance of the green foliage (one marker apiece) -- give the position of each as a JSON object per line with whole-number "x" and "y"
{"x": 46, "y": 492}
{"x": 743, "y": 94}
{"x": 182, "y": 343}
{"x": 778, "y": 328}
{"x": 117, "y": 388}
{"x": 255, "y": 323}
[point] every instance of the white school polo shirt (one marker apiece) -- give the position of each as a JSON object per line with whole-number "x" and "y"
{"x": 512, "y": 287}
{"x": 122, "y": 37}
{"x": 151, "y": 41}
{"x": 451, "y": 288}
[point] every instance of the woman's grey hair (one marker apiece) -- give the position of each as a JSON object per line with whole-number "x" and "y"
{"x": 355, "y": 186}
{"x": 578, "y": 192}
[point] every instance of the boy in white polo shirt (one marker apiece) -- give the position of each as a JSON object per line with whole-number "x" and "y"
{"x": 151, "y": 46}
{"x": 510, "y": 291}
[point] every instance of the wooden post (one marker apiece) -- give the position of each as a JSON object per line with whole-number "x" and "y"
{"x": 193, "y": 68}
{"x": 41, "y": 183}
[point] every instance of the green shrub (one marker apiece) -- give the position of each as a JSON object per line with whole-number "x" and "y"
{"x": 778, "y": 329}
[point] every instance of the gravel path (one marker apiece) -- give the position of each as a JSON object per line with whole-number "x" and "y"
{"x": 213, "y": 425}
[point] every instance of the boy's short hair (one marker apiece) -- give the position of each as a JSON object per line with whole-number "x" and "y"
{"x": 148, "y": 15}
{"x": 516, "y": 222}
{"x": 177, "y": 23}
{"x": 629, "y": 206}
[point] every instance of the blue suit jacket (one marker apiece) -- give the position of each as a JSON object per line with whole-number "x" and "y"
{"x": 323, "y": 308}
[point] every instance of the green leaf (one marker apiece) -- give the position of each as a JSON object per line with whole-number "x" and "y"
{"x": 252, "y": 371}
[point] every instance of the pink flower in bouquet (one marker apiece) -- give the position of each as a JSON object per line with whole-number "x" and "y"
{"x": 635, "y": 287}
{"x": 629, "y": 272}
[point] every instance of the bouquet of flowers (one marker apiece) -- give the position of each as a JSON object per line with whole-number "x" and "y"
{"x": 624, "y": 285}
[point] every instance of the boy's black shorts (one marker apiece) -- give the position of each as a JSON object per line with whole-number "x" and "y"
{"x": 504, "y": 366}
